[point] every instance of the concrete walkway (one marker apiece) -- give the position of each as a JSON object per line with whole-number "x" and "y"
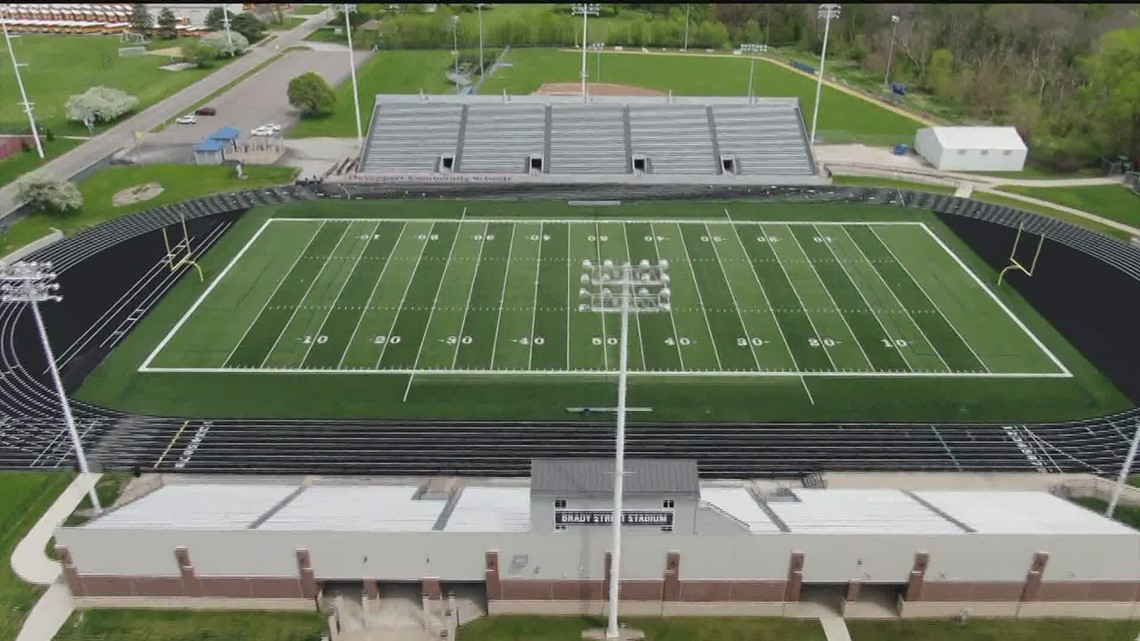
{"x": 28, "y": 559}
{"x": 49, "y": 614}
{"x": 835, "y": 628}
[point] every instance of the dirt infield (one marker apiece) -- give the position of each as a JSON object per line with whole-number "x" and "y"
{"x": 596, "y": 88}
{"x": 173, "y": 52}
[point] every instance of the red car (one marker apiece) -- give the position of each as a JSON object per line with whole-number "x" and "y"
{"x": 206, "y": 111}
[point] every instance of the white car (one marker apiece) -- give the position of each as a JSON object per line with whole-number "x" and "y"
{"x": 272, "y": 127}
{"x": 261, "y": 131}
{"x": 189, "y": 119}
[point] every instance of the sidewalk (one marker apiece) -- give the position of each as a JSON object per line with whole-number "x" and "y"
{"x": 28, "y": 559}
{"x": 835, "y": 628}
{"x": 49, "y": 614}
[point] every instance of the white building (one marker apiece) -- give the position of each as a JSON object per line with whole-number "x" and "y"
{"x": 971, "y": 148}
{"x": 194, "y": 14}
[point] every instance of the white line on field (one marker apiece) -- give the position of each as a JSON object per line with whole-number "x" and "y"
{"x": 343, "y": 285}
{"x": 474, "y": 277}
{"x": 404, "y": 296}
{"x": 379, "y": 279}
{"x": 663, "y": 373}
{"x": 503, "y": 297}
{"x": 534, "y": 305}
{"x": 434, "y": 302}
{"x": 700, "y": 299}
{"x": 672, "y": 319}
{"x": 602, "y": 315}
{"x": 640, "y": 336}
{"x": 739, "y": 314}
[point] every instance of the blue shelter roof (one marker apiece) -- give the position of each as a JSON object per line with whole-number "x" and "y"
{"x": 208, "y": 145}
{"x": 226, "y": 133}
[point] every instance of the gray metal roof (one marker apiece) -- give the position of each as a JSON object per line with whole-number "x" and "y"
{"x": 589, "y": 477}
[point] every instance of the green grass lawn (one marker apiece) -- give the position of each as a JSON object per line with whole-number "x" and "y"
{"x": 1034, "y": 173}
{"x": 23, "y": 162}
{"x": 1115, "y": 202}
{"x": 404, "y": 72}
{"x": 843, "y": 117}
{"x": 197, "y": 625}
{"x": 874, "y": 181}
{"x": 1006, "y": 201}
{"x": 290, "y": 22}
{"x": 994, "y": 630}
{"x": 307, "y": 9}
{"x": 26, "y": 495}
{"x": 118, "y": 382}
{"x": 181, "y": 182}
{"x": 60, "y": 66}
{"x": 533, "y": 628}
{"x": 1126, "y": 514}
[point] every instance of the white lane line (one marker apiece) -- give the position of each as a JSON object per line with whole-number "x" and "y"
{"x": 467, "y": 312}
{"x": 503, "y": 297}
{"x": 735, "y": 304}
{"x": 534, "y": 305}
{"x": 672, "y": 319}
{"x": 434, "y": 302}
{"x": 700, "y": 299}
{"x": 371, "y": 296}
{"x": 340, "y": 292}
{"x": 404, "y": 296}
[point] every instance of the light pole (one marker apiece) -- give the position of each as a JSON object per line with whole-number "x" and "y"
{"x": 352, "y": 71}
{"x": 19, "y": 81}
{"x": 827, "y": 12}
{"x": 1123, "y": 477}
{"x": 34, "y": 283}
{"x": 226, "y": 24}
{"x": 753, "y": 50}
{"x": 585, "y": 10}
{"x": 455, "y": 43}
{"x": 891, "y": 51}
{"x": 479, "y": 8}
{"x": 599, "y": 47}
{"x": 641, "y": 288}
{"x": 686, "y": 27}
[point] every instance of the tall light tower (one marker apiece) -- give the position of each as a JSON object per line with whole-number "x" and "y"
{"x": 586, "y": 10}
{"x": 34, "y": 283}
{"x": 20, "y": 81}
{"x": 641, "y": 288}
{"x": 891, "y": 51}
{"x": 752, "y": 49}
{"x": 226, "y": 24}
{"x": 352, "y": 71}
{"x": 479, "y": 8}
{"x": 827, "y": 12}
{"x": 686, "y": 27}
{"x": 599, "y": 47}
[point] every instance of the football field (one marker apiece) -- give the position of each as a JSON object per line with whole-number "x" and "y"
{"x": 500, "y": 297}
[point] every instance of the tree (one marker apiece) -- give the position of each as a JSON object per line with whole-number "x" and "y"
{"x": 249, "y": 26}
{"x": 215, "y": 19}
{"x": 230, "y": 44}
{"x": 44, "y": 191}
{"x": 311, "y": 94}
{"x": 167, "y": 24}
{"x": 99, "y": 105}
{"x": 1115, "y": 74}
{"x": 141, "y": 20}
{"x": 200, "y": 52}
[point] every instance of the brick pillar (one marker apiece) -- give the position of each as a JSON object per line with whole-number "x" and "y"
{"x": 491, "y": 574}
{"x": 432, "y": 588}
{"x": 372, "y": 589}
{"x": 190, "y": 586}
{"x": 795, "y": 578}
{"x": 1033, "y": 578}
{"x": 672, "y": 590}
{"x": 854, "y": 587}
{"x": 305, "y": 569}
{"x": 917, "y": 577}
{"x": 606, "y": 582}
{"x": 74, "y": 583}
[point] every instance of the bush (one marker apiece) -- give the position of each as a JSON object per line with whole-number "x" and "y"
{"x": 311, "y": 94}
{"x": 48, "y": 193}
{"x": 99, "y": 105}
{"x": 24, "y": 146}
{"x": 226, "y": 45}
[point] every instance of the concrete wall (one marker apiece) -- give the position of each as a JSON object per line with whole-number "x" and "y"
{"x": 542, "y": 512}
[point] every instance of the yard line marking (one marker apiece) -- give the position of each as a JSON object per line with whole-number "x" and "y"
{"x": 503, "y": 297}
{"x": 899, "y": 301}
{"x": 170, "y": 445}
{"x": 672, "y": 320}
{"x": 700, "y": 299}
{"x": 1016, "y": 320}
{"x": 328, "y": 259}
{"x": 833, "y": 303}
{"x": 602, "y": 315}
{"x": 463, "y": 323}
{"x": 594, "y": 220}
{"x": 800, "y": 300}
{"x": 177, "y": 326}
{"x": 569, "y": 292}
{"x": 360, "y": 320}
{"x": 866, "y": 302}
{"x": 743, "y": 325}
{"x": 640, "y": 338}
{"x": 534, "y": 305}
{"x": 355, "y": 264}
{"x": 935, "y": 303}
{"x": 768, "y": 304}
{"x": 434, "y": 302}
{"x": 404, "y": 296}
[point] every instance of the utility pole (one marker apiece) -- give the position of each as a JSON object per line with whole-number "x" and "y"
{"x": 891, "y": 51}
{"x": 752, "y": 49}
{"x": 479, "y": 8}
{"x": 585, "y": 10}
{"x": 455, "y": 43}
{"x": 226, "y": 24}
{"x": 686, "y": 27}
{"x": 20, "y": 81}
{"x": 352, "y": 71}
{"x": 827, "y": 12}
{"x": 1122, "y": 478}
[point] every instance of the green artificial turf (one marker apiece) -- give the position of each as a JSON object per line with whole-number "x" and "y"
{"x": 843, "y": 118}
{"x": 60, "y": 66}
{"x": 196, "y": 625}
{"x": 118, "y": 383}
{"x": 555, "y": 628}
{"x": 994, "y": 630}
{"x": 179, "y": 182}
{"x": 1115, "y": 202}
{"x": 22, "y": 162}
{"x": 26, "y": 495}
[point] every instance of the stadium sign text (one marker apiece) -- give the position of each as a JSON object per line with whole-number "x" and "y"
{"x": 605, "y": 517}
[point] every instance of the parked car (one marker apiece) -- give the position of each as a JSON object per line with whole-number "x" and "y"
{"x": 206, "y": 111}
{"x": 188, "y": 119}
{"x": 261, "y": 131}
{"x": 272, "y": 127}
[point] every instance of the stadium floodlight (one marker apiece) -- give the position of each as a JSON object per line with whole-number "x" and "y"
{"x": 352, "y": 71}
{"x": 686, "y": 27}
{"x": 586, "y": 10}
{"x": 599, "y": 47}
{"x": 455, "y": 43}
{"x": 625, "y": 288}
{"x": 20, "y": 81}
{"x": 34, "y": 283}
{"x": 752, "y": 49}
{"x": 891, "y": 51}
{"x": 828, "y": 12}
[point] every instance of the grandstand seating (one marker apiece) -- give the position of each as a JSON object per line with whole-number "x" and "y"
{"x": 411, "y": 136}
{"x": 675, "y": 138}
{"x": 498, "y": 138}
{"x": 588, "y": 139}
{"x": 764, "y": 140}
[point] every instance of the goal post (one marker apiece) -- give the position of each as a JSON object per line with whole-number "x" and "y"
{"x": 181, "y": 254}
{"x": 1014, "y": 263}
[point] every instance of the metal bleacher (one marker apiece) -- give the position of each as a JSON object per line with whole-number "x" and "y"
{"x": 676, "y": 138}
{"x": 498, "y": 138}
{"x": 765, "y": 140}
{"x": 588, "y": 139}
{"x": 411, "y": 136}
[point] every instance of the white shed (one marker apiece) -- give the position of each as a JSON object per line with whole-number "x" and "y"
{"x": 971, "y": 148}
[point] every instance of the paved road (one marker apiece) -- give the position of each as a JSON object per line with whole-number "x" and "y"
{"x": 122, "y": 135}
